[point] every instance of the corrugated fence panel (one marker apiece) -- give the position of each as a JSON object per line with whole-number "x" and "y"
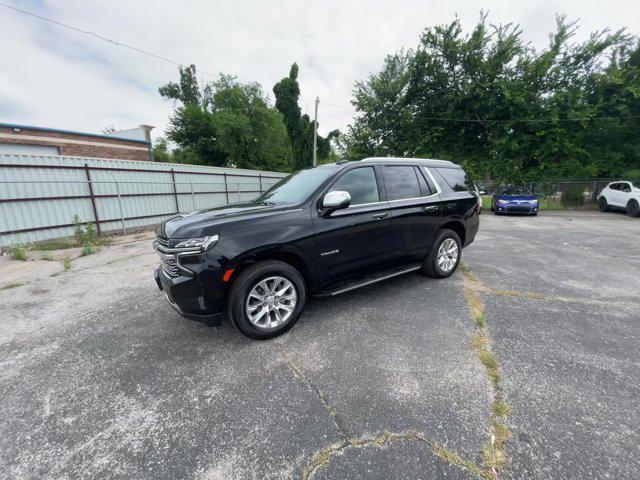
{"x": 41, "y": 194}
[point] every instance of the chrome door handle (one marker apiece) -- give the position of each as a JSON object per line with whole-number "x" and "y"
{"x": 430, "y": 208}
{"x": 380, "y": 216}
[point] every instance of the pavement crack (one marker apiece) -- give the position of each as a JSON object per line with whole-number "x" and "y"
{"x": 323, "y": 456}
{"x": 304, "y": 378}
{"x": 494, "y": 453}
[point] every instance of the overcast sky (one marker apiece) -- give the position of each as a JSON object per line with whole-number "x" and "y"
{"x": 55, "y": 77}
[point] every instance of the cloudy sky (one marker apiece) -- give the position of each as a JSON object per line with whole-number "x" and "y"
{"x": 56, "y": 77}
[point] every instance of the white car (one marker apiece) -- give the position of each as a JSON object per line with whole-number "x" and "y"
{"x": 621, "y": 195}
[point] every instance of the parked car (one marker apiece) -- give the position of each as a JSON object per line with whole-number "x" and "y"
{"x": 621, "y": 195}
{"x": 514, "y": 200}
{"x": 321, "y": 231}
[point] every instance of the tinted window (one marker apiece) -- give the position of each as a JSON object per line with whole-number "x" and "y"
{"x": 625, "y": 187}
{"x": 361, "y": 185}
{"x": 456, "y": 178}
{"x": 614, "y": 186}
{"x": 515, "y": 191}
{"x": 297, "y": 187}
{"x": 424, "y": 186}
{"x": 401, "y": 182}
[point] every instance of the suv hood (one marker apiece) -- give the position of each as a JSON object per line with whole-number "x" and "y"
{"x": 210, "y": 222}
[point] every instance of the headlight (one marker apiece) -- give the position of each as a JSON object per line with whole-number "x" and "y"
{"x": 502, "y": 202}
{"x": 534, "y": 201}
{"x": 203, "y": 243}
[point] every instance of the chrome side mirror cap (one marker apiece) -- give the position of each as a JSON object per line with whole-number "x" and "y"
{"x": 335, "y": 200}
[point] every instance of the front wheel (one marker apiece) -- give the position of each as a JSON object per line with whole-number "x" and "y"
{"x": 266, "y": 299}
{"x": 633, "y": 210}
{"x": 444, "y": 257}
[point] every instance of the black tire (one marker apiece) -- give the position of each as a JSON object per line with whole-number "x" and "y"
{"x": 603, "y": 205}
{"x": 430, "y": 266}
{"x": 243, "y": 285}
{"x": 633, "y": 209}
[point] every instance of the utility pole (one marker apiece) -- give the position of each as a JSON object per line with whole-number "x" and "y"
{"x": 315, "y": 134}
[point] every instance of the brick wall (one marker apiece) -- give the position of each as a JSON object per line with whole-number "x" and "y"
{"x": 77, "y": 144}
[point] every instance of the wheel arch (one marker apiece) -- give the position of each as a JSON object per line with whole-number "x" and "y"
{"x": 292, "y": 258}
{"x": 458, "y": 227}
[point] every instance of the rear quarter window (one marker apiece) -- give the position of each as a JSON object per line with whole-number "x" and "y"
{"x": 457, "y": 179}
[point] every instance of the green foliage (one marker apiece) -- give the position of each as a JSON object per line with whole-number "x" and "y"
{"x": 471, "y": 98}
{"x": 633, "y": 174}
{"x": 572, "y": 197}
{"x": 86, "y": 250}
{"x": 85, "y": 235}
{"x": 299, "y": 127}
{"x": 226, "y": 123}
{"x": 66, "y": 264}
{"x": 47, "y": 257}
{"x": 17, "y": 252}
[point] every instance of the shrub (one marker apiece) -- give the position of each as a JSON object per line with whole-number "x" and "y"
{"x": 85, "y": 235}
{"x": 17, "y": 252}
{"x": 573, "y": 197}
{"x": 86, "y": 250}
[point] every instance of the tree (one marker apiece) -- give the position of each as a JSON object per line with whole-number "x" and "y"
{"x": 226, "y": 123}
{"x": 299, "y": 127}
{"x": 505, "y": 111}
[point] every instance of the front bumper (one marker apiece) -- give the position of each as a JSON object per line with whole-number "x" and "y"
{"x": 517, "y": 208}
{"x": 196, "y": 289}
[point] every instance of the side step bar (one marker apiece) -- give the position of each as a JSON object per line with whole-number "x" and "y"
{"x": 385, "y": 275}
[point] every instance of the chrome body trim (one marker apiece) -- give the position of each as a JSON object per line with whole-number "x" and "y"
{"x": 438, "y": 189}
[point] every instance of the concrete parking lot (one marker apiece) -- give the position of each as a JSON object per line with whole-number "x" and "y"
{"x": 99, "y": 378}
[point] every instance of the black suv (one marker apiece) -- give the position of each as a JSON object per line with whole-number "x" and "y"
{"x": 321, "y": 231}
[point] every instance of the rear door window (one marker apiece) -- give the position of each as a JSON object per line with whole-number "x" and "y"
{"x": 361, "y": 185}
{"x": 401, "y": 182}
{"x": 457, "y": 179}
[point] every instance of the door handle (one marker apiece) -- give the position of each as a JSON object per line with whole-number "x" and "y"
{"x": 430, "y": 208}
{"x": 380, "y": 216}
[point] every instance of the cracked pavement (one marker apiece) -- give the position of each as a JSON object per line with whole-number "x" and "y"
{"x": 100, "y": 378}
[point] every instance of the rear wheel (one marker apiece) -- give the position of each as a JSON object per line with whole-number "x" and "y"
{"x": 603, "y": 205}
{"x": 444, "y": 257}
{"x": 633, "y": 209}
{"x": 266, "y": 299}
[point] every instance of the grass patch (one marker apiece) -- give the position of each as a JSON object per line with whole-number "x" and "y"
{"x": 86, "y": 250}
{"x": 12, "y": 285}
{"x": 501, "y": 408}
{"x": 54, "y": 245}
{"x": 481, "y": 321}
{"x": 17, "y": 252}
{"x": 47, "y": 257}
{"x": 66, "y": 264}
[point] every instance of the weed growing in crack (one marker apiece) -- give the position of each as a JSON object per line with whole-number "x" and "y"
{"x": 494, "y": 455}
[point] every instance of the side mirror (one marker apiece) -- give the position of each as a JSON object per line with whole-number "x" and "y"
{"x": 334, "y": 200}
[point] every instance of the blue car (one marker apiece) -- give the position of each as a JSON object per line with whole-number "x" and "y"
{"x": 514, "y": 200}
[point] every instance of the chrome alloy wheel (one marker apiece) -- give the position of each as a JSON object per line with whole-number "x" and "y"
{"x": 448, "y": 255}
{"x": 271, "y": 302}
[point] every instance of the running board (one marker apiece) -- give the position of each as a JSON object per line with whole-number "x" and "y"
{"x": 363, "y": 282}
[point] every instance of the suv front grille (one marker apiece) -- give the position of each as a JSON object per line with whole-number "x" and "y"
{"x": 519, "y": 209}
{"x": 169, "y": 265}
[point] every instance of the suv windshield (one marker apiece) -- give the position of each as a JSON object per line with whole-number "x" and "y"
{"x": 515, "y": 191}
{"x": 296, "y": 187}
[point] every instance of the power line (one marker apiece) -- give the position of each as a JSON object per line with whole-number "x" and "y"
{"x": 101, "y": 37}
{"x": 441, "y": 119}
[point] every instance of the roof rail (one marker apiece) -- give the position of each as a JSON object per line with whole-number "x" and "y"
{"x": 404, "y": 159}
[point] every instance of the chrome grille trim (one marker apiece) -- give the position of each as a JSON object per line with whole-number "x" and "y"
{"x": 169, "y": 265}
